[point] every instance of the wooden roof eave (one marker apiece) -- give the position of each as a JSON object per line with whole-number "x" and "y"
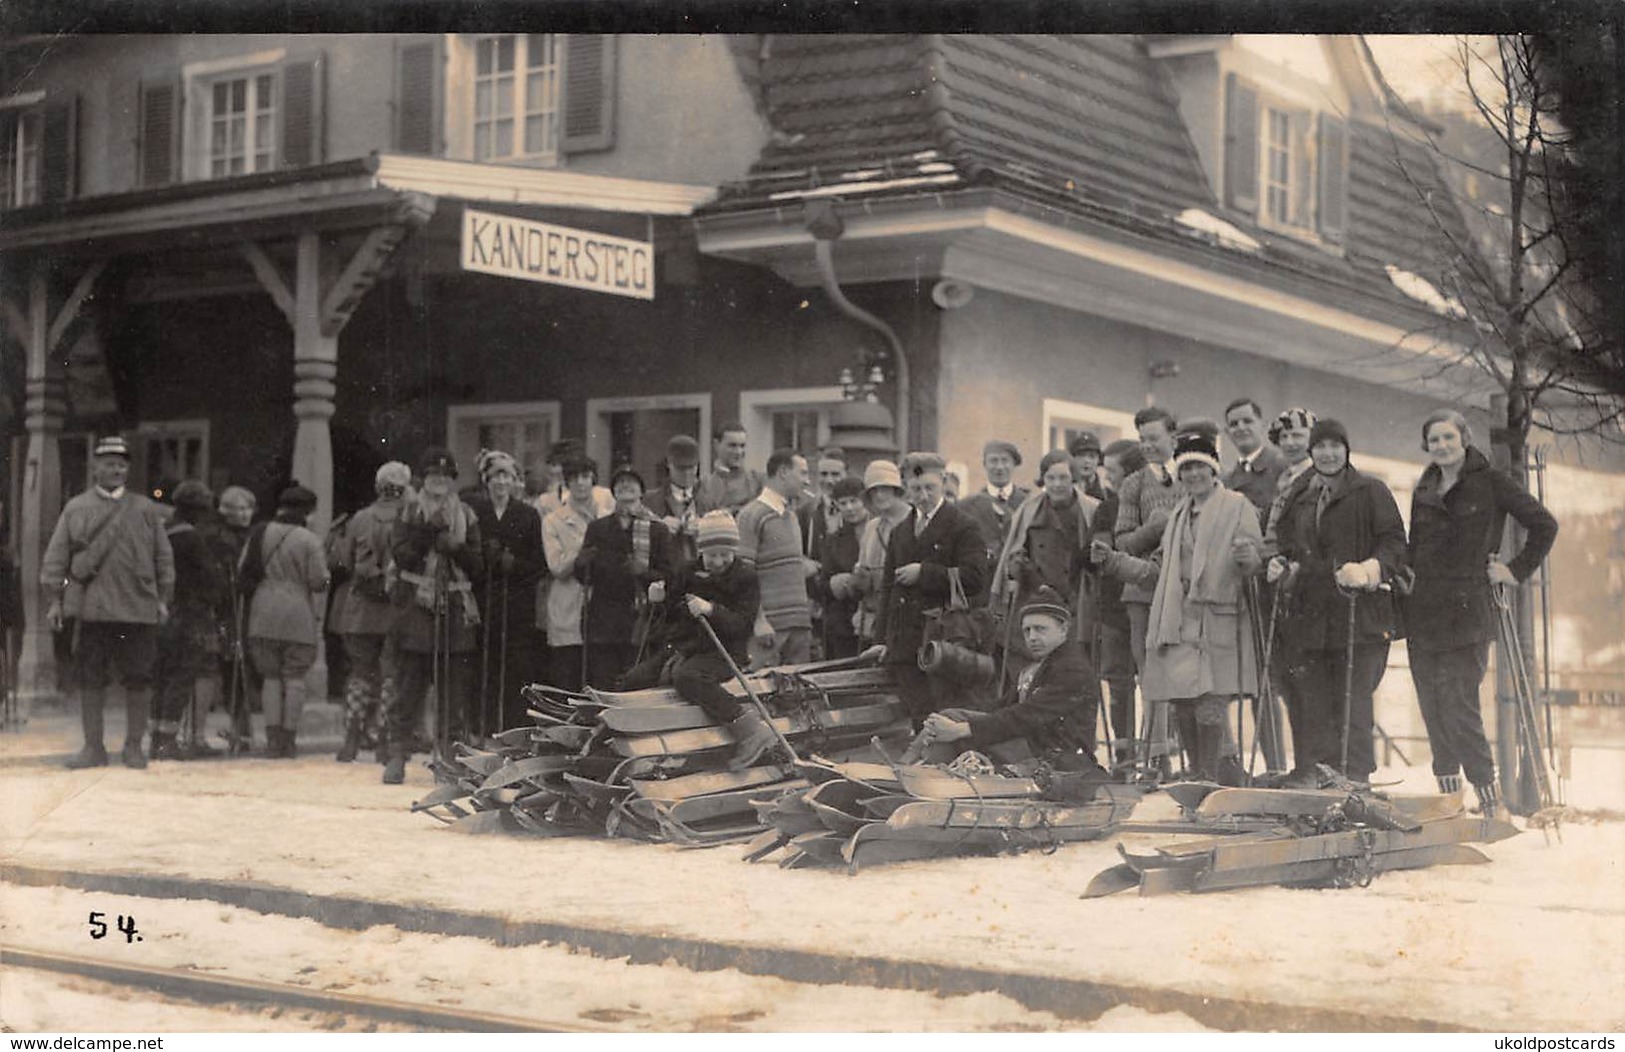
{"x": 331, "y": 198}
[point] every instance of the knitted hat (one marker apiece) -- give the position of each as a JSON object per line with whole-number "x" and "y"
{"x": 718, "y": 532}
{"x": 882, "y": 473}
{"x": 922, "y": 463}
{"x": 1292, "y": 418}
{"x": 682, "y": 451}
{"x": 1049, "y": 602}
{"x": 296, "y": 498}
{"x": 392, "y": 473}
{"x": 999, "y": 445}
{"x": 438, "y": 458}
{"x": 1052, "y": 458}
{"x": 1086, "y": 442}
{"x": 491, "y": 461}
{"x": 1193, "y": 448}
{"x": 112, "y": 446}
{"x": 1329, "y": 429}
{"x": 847, "y": 486}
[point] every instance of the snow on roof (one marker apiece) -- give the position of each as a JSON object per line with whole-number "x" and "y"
{"x": 1424, "y": 291}
{"x": 1226, "y": 234}
{"x": 840, "y": 189}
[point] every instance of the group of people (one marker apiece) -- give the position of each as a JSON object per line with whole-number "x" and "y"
{"x": 1142, "y": 562}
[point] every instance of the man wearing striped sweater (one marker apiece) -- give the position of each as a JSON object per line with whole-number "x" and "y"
{"x": 770, "y": 544}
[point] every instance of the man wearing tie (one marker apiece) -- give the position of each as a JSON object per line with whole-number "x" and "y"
{"x": 673, "y": 503}
{"x": 991, "y": 508}
{"x": 1258, "y": 463}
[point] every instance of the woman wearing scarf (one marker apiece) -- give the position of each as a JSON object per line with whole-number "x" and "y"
{"x": 1199, "y": 651}
{"x": 1458, "y": 513}
{"x": 1342, "y": 531}
{"x": 437, "y": 555}
{"x": 1048, "y": 544}
{"x": 512, "y": 565}
{"x": 621, "y": 554}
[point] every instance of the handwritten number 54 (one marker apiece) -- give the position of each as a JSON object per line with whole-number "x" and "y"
{"x": 125, "y": 925}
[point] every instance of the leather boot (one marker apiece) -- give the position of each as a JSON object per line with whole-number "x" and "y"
{"x": 1489, "y": 800}
{"x": 290, "y": 743}
{"x": 133, "y": 757}
{"x": 753, "y": 737}
{"x": 352, "y": 744}
{"x": 273, "y": 743}
{"x": 94, "y": 754}
{"x": 395, "y": 768}
{"x": 137, "y": 706}
{"x": 1232, "y": 773}
{"x": 1209, "y": 737}
{"x": 164, "y": 746}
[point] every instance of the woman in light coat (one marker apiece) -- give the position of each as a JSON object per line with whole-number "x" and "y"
{"x": 563, "y": 531}
{"x": 1199, "y": 648}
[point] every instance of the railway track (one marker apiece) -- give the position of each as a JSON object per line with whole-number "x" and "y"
{"x": 219, "y": 989}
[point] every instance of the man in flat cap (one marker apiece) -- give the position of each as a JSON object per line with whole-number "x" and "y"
{"x": 673, "y": 503}
{"x": 992, "y": 507}
{"x": 109, "y": 565}
{"x": 935, "y": 538}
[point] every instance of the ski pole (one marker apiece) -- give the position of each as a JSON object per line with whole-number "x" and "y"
{"x": 502, "y": 655}
{"x": 1348, "y": 684}
{"x": 761, "y": 707}
{"x": 485, "y": 663}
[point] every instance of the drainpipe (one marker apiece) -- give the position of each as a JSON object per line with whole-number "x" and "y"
{"x": 825, "y": 226}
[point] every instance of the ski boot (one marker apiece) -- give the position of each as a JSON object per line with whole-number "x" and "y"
{"x": 352, "y": 744}
{"x": 89, "y": 756}
{"x": 395, "y": 766}
{"x": 133, "y": 757}
{"x": 754, "y": 737}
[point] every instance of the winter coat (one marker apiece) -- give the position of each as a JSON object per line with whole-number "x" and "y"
{"x": 519, "y": 533}
{"x": 370, "y": 610}
{"x": 1213, "y": 653}
{"x": 201, "y": 586}
{"x": 993, "y": 522}
{"x": 734, "y": 597}
{"x": 1452, "y": 538}
{"x": 873, "y": 543}
{"x": 1109, "y": 608}
{"x": 1361, "y": 522}
{"x": 1257, "y": 482}
{"x": 1051, "y": 553}
{"x": 1053, "y": 708}
{"x": 838, "y": 557}
{"x": 950, "y": 540}
{"x": 126, "y": 570}
{"x": 563, "y": 530}
{"x": 605, "y": 562}
{"x": 1142, "y": 500}
{"x": 286, "y": 604}
{"x": 663, "y": 505}
{"x": 413, "y": 539}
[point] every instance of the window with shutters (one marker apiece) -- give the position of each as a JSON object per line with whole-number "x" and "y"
{"x": 1285, "y": 165}
{"x": 516, "y": 96}
{"x": 242, "y": 124}
{"x": 21, "y": 134}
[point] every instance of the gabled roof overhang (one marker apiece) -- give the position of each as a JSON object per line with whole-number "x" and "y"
{"x": 995, "y": 239}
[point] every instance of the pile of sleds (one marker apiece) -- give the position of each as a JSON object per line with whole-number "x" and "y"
{"x": 647, "y": 765}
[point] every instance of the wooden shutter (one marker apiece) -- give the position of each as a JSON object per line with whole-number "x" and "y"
{"x": 1240, "y": 145}
{"x": 159, "y": 132}
{"x": 59, "y": 149}
{"x": 303, "y": 101}
{"x": 1332, "y": 154}
{"x": 589, "y": 92}
{"x": 417, "y": 70}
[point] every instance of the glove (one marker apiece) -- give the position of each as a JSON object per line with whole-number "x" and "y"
{"x": 657, "y": 592}
{"x": 1276, "y": 570}
{"x": 840, "y": 585}
{"x": 1363, "y": 575}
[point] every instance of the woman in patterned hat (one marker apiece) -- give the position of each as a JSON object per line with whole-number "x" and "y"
{"x": 512, "y": 563}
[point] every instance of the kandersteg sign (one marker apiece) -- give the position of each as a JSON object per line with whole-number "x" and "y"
{"x": 557, "y": 255}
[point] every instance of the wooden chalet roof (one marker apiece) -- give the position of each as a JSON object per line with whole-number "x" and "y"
{"x": 1090, "y": 122}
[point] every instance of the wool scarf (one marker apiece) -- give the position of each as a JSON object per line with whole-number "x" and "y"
{"x": 1211, "y": 574}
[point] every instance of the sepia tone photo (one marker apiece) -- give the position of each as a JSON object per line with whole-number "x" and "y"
{"x": 629, "y": 532}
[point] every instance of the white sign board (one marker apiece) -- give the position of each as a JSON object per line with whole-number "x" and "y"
{"x": 557, "y": 255}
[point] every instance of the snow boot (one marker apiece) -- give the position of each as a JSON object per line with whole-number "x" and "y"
{"x": 1232, "y": 773}
{"x": 352, "y": 744}
{"x": 395, "y": 769}
{"x": 1489, "y": 800}
{"x": 290, "y": 743}
{"x": 89, "y": 756}
{"x": 754, "y": 737}
{"x": 1209, "y": 738}
{"x": 274, "y": 749}
{"x": 164, "y": 746}
{"x": 133, "y": 757}
{"x": 1449, "y": 783}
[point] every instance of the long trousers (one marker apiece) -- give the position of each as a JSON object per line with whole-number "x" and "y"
{"x": 1324, "y": 686}
{"x": 1117, "y": 668}
{"x": 106, "y": 648}
{"x": 515, "y": 661}
{"x": 1447, "y": 683}
{"x": 416, "y": 670}
{"x": 608, "y": 662}
{"x": 1154, "y": 729}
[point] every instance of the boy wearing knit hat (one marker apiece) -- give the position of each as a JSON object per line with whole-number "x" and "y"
{"x": 723, "y": 590}
{"x": 1051, "y": 709}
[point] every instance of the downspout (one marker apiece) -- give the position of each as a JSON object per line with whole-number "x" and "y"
{"x": 825, "y": 232}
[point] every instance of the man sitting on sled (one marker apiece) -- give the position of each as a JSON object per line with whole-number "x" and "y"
{"x": 1049, "y": 713}
{"x": 724, "y": 591}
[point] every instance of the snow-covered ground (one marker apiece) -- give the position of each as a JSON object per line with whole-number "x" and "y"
{"x": 544, "y": 983}
{"x": 1536, "y": 940}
